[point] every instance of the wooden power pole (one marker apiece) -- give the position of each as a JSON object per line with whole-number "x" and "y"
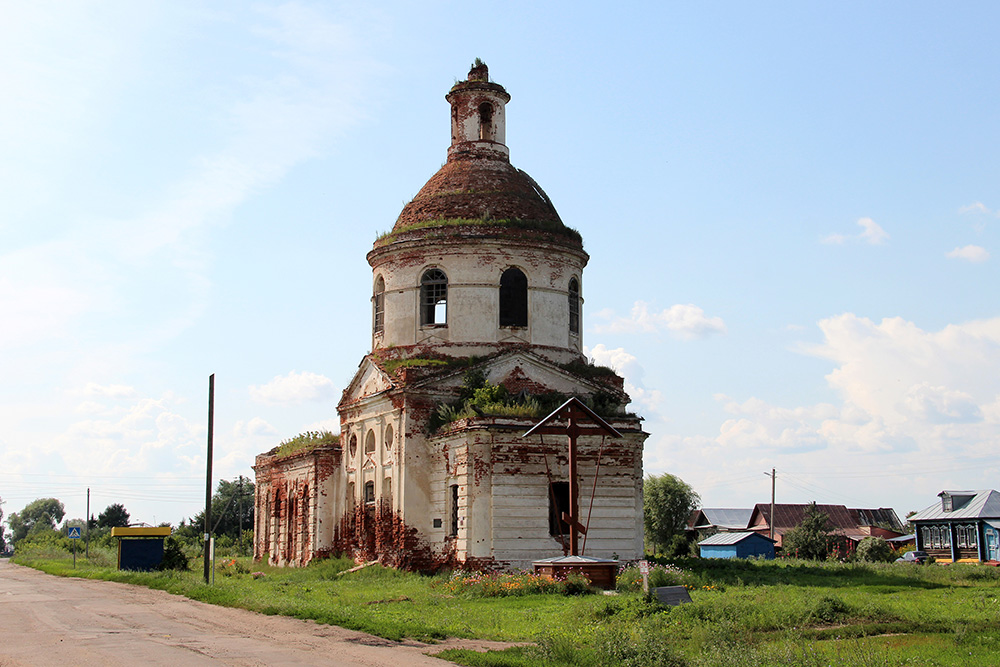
{"x": 208, "y": 475}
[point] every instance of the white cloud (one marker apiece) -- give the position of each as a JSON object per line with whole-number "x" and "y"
{"x": 146, "y": 436}
{"x": 687, "y": 322}
{"x": 975, "y": 207}
{"x": 649, "y": 401}
{"x": 109, "y": 391}
{"x": 918, "y": 405}
{"x": 294, "y": 388}
{"x": 253, "y": 428}
{"x": 970, "y": 253}
{"x": 871, "y": 233}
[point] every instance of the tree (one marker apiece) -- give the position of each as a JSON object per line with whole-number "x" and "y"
{"x": 3, "y": 544}
{"x": 114, "y": 516}
{"x": 811, "y": 538}
{"x": 41, "y": 514}
{"x": 232, "y": 508}
{"x": 667, "y": 502}
{"x": 874, "y": 550}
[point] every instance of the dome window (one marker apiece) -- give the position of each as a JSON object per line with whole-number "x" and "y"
{"x": 433, "y": 298}
{"x": 378, "y": 307}
{"x": 574, "y": 306}
{"x": 513, "y": 298}
{"x": 486, "y": 122}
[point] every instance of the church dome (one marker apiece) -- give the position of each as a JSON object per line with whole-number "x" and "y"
{"x": 477, "y": 189}
{"x": 480, "y": 259}
{"x": 478, "y": 185}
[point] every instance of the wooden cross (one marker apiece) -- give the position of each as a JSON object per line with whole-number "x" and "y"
{"x": 580, "y": 420}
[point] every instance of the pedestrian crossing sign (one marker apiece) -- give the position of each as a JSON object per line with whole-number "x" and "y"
{"x": 74, "y": 532}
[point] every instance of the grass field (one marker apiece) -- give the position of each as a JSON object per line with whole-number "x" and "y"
{"x": 744, "y": 613}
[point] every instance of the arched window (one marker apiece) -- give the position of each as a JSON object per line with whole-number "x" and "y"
{"x": 574, "y": 306}
{"x": 433, "y": 297}
{"x": 353, "y": 449}
{"x": 387, "y": 490}
{"x": 513, "y": 298}
{"x": 378, "y": 307}
{"x": 370, "y": 444}
{"x": 388, "y": 438}
{"x": 486, "y": 121}
{"x": 369, "y": 492}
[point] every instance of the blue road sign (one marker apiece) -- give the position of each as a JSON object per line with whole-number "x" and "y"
{"x": 74, "y": 532}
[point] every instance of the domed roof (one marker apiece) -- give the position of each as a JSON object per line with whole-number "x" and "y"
{"x": 475, "y": 188}
{"x": 478, "y": 184}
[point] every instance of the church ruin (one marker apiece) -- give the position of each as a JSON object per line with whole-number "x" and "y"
{"x": 477, "y": 299}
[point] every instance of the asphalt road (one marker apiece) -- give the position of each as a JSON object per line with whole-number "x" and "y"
{"x": 47, "y": 620}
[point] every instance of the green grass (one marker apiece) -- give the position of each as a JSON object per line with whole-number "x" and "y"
{"x": 753, "y": 614}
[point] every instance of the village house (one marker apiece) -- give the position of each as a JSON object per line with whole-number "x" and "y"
{"x": 964, "y": 526}
{"x": 476, "y": 334}
{"x": 853, "y": 525}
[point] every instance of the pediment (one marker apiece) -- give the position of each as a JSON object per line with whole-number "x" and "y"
{"x": 369, "y": 380}
{"x": 519, "y": 371}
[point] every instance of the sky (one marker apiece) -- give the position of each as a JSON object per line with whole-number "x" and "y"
{"x": 792, "y": 212}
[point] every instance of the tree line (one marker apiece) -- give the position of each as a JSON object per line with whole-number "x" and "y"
{"x": 44, "y": 520}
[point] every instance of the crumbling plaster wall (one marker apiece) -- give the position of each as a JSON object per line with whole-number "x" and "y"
{"x": 474, "y": 270}
{"x": 294, "y": 500}
{"x": 371, "y": 433}
{"x": 503, "y": 484}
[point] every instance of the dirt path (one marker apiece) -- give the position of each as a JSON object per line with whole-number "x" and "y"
{"x": 47, "y": 620}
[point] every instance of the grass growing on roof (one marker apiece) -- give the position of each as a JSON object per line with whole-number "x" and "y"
{"x": 304, "y": 442}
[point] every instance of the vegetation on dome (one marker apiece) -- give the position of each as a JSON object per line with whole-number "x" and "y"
{"x": 549, "y": 226}
{"x": 305, "y": 442}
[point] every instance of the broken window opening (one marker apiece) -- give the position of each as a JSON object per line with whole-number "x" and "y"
{"x": 387, "y": 490}
{"x": 486, "y": 121}
{"x": 370, "y": 444}
{"x": 558, "y": 504}
{"x": 433, "y": 298}
{"x": 574, "y": 306}
{"x": 369, "y": 492}
{"x": 378, "y": 307}
{"x": 513, "y": 298}
{"x": 353, "y": 450}
{"x": 388, "y": 438}
{"x": 453, "y": 524}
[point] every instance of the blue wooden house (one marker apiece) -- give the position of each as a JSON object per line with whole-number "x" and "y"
{"x": 737, "y": 545}
{"x": 963, "y": 527}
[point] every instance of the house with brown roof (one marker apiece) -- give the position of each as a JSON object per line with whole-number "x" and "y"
{"x": 852, "y": 524}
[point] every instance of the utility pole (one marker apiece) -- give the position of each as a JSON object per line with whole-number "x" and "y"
{"x": 88, "y": 523}
{"x": 241, "y": 507}
{"x": 208, "y": 474}
{"x": 770, "y": 520}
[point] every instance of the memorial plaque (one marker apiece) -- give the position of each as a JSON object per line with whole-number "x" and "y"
{"x": 671, "y": 596}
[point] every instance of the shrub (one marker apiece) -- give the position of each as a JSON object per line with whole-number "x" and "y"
{"x": 231, "y": 566}
{"x": 621, "y": 646}
{"x": 504, "y": 584}
{"x": 874, "y": 550}
{"x": 173, "y": 556}
{"x": 630, "y": 579}
{"x": 829, "y": 609}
